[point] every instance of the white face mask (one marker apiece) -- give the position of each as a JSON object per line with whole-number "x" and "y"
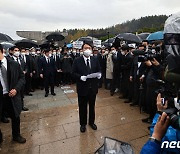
{"x": 27, "y": 53}
{"x": 58, "y": 53}
{"x": 33, "y": 53}
{"x": 17, "y": 53}
{"x": 23, "y": 53}
{"x": 114, "y": 52}
{"x": 81, "y": 53}
{"x": 54, "y": 53}
{"x": 87, "y": 53}
{"x": 123, "y": 53}
{"x": 4, "y": 54}
{"x": 50, "y": 55}
{"x": 38, "y": 52}
{"x": 106, "y": 52}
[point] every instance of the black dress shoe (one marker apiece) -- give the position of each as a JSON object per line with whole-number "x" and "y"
{"x": 93, "y": 126}
{"x": 147, "y": 120}
{"x": 132, "y": 104}
{"x": 5, "y": 120}
{"x": 46, "y": 95}
{"x": 127, "y": 101}
{"x": 25, "y": 109}
{"x": 111, "y": 93}
{"x": 1, "y": 137}
{"x": 54, "y": 94}
{"x": 19, "y": 139}
{"x": 83, "y": 129}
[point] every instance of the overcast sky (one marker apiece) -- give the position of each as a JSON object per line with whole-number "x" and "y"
{"x": 50, "y": 15}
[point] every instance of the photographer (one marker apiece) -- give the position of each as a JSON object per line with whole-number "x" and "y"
{"x": 154, "y": 72}
{"x": 161, "y": 132}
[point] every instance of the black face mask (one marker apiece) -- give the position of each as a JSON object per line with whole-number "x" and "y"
{"x": 11, "y": 54}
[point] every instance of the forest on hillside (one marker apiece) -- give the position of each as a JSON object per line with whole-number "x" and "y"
{"x": 143, "y": 24}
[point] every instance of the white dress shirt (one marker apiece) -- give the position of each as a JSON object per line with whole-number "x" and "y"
{"x": 4, "y": 63}
{"x": 85, "y": 59}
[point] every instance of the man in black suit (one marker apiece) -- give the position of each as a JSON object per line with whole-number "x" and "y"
{"x": 87, "y": 88}
{"x": 126, "y": 64}
{"x": 11, "y": 81}
{"x": 116, "y": 58}
{"x": 102, "y": 61}
{"x": 47, "y": 71}
{"x": 137, "y": 75}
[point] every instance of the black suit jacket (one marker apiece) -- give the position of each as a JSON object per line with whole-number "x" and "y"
{"x": 46, "y": 68}
{"x": 134, "y": 68}
{"x": 102, "y": 61}
{"x": 80, "y": 69}
{"x": 16, "y": 80}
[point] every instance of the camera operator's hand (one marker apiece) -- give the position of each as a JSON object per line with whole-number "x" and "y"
{"x": 159, "y": 104}
{"x": 161, "y": 127}
{"x": 148, "y": 63}
{"x": 155, "y": 62}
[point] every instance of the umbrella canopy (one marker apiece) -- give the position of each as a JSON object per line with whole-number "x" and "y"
{"x": 6, "y": 45}
{"x": 156, "y": 36}
{"x": 55, "y": 36}
{"x": 108, "y": 42}
{"x": 69, "y": 45}
{"x": 129, "y": 37}
{"x": 26, "y": 43}
{"x": 143, "y": 36}
{"x": 4, "y": 37}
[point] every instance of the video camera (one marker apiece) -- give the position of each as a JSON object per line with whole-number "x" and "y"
{"x": 168, "y": 93}
{"x": 150, "y": 55}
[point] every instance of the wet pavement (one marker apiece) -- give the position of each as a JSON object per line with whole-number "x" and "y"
{"x": 51, "y": 126}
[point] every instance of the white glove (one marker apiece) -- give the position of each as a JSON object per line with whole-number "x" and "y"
{"x": 99, "y": 75}
{"x": 83, "y": 78}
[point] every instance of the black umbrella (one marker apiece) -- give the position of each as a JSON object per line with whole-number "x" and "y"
{"x": 4, "y": 37}
{"x": 55, "y": 36}
{"x": 26, "y": 43}
{"x": 86, "y": 39}
{"x": 143, "y": 36}
{"x": 129, "y": 37}
{"x": 6, "y": 45}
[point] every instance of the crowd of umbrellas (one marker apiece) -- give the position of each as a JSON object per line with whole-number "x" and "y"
{"x": 7, "y": 41}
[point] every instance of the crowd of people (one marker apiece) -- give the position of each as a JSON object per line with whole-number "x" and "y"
{"x": 135, "y": 72}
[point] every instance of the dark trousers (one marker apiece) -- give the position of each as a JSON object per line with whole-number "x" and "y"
{"x": 49, "y": 80}
{"x": 67, "y": 77}
{"x": 28, "y": 83}
{"x": 15, "y": 121}
{"x": 83, "y": 101}
{"x": 151, "y": 100}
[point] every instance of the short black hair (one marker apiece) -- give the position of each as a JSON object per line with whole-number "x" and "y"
{"x": 46, "y": 50}
{"x": 125, "y": 47}
{"x": 13, "y": 47}
{"x": 90, "y": 43}
{"x": 1, "y": 48}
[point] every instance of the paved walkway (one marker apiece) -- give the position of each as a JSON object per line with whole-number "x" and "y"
{"x": 52, "y": 125}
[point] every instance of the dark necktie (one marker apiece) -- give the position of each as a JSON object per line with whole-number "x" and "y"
{"x": 88, "y": 66}
{"x": 48, "y": 60}
{"x": 4, "y": 75}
